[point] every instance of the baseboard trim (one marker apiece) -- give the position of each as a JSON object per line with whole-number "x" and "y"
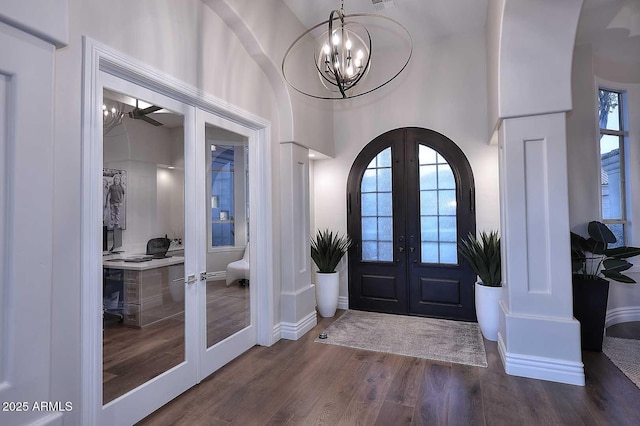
{"x": 533, "y": 367}
{"x": 343, "y": 302}
{"x": 54, "y": 419}
{"x": 277, "y": 333}
{"x": 294, "y": 331}
{"x": 620, "y": 315}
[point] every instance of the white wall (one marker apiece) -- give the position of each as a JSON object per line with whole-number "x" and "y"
{"x": 154, "y": 196}
{"x": 46, "y": 19}
{"x": 518, "y": 52}
{"x": 444, "y": 88}
{"x": 589, "y": 71}
{"x": 184, "y": 39}
{"x": 310, "y": 117}
{"x": 493, "y": 34}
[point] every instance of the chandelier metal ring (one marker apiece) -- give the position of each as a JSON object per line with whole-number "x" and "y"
{"x": 343, "y": 18}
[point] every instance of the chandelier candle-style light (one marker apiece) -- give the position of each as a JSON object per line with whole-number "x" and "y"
{"x": 112, "y": 112}
{"x": 345, "y": 56}
{"x": 342, "y": 56}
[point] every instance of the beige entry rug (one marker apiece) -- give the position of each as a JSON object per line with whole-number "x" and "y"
{"x": 625, "y": 354}
{"x": 429, "y": 338}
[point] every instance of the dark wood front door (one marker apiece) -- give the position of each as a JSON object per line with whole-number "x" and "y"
{"x": 410, "y": 201}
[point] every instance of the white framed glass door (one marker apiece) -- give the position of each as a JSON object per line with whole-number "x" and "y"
{"x": 226, "y": 298}
{"x": 162, "y": 185}
{"x": 149, "y": 262}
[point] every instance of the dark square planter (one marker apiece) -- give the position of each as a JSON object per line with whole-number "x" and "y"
{"x": 590, "y": 308}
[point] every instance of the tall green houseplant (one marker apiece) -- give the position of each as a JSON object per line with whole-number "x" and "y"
{"x": 328, "y": 248}
{"x": 483, "y": 254}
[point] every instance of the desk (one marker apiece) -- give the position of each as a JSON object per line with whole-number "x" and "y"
{"x": 149, "y": 292}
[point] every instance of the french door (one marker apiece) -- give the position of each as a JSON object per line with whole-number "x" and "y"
{"x": 227, "y": 300}
{"x": 149, "y": 306}
{"x": 174, "y": 172}
{"x": 410, "y": 202}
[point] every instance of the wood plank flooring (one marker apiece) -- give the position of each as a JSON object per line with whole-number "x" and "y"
{"x": 133, "y": 356}
{"x": 306, "y": 383}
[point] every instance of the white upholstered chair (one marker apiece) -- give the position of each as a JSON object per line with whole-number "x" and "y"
{"x": 239, "y": 270}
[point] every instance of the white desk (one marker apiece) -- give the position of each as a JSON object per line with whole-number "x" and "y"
{"x": 114, "y": 263}
{"x": 150, "y": 292}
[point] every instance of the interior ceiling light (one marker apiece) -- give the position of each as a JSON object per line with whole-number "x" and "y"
{"x": 340, "y": 53}
{"x": 112, "y": 112}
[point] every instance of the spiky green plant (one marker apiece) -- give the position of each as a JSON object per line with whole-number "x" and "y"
{"x": 327, "y": 249}
{"x": 483, "y": 255}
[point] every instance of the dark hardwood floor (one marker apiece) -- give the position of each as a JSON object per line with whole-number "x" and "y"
{"x": 133, "y": 356}
{"x": 306, "y": 383}
{"x": 627, "y": 330}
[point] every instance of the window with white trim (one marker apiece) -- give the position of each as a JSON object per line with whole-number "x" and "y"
{"x": 611, "y": 144}
{"x": 228, "y": 180}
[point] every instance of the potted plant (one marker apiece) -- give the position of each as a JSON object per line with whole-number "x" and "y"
{"x": 591, "y": 260}
{"x": 327, "y": 249}
{"x": 483, "y": 254}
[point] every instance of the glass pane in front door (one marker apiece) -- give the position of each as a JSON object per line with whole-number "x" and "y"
{"x": 438, "y": 223}
{"x": 227, "y": 253}
{"x": 377, "y": 209}
{"x": 143, "y": 231}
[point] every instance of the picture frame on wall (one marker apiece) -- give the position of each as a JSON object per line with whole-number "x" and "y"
{"x": 114, "y": 188}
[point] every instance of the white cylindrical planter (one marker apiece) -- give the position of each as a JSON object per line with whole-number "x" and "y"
{"x": 488, "y": 310}
{"x": 327, "y": 285}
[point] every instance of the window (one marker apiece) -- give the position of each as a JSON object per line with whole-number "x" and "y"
{"x": 377, "y": 209}
{"x": 437, "y": 208}
{"x": 229, "y": 202}
{"x": 612, "y": 165}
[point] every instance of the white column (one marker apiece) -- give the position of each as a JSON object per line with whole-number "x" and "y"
{"x": 297, "y": 301}
{"x": 538, "y": 336}
{"x": 26, "y": 228}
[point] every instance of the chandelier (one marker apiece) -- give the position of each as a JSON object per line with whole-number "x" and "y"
{"x": 342, "y": 56}
{"x": 112, "y": 112}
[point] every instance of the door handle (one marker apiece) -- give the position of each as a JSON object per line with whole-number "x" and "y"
{"x": 188, "y": 280}
{"x": 209, "y": 275}
{"x": 401, "y": 249}
{"x": 412, "y": 249}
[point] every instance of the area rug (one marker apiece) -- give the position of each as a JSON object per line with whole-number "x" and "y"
{"x": 440, "y": 340}
{"x": 625, "y": 354}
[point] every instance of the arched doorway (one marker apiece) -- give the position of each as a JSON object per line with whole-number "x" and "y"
{"x": 410, "y": 202}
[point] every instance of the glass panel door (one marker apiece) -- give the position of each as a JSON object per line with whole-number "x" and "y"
{"x": 147, "y": 326}
{"x": 143, "y": 233}
{"x": 228, "y": 255}
{"x": 227, "y": 288}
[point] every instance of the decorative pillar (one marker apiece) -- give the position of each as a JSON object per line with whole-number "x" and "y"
{"x": 538, "y": 336}
{"x": 297, "y": 301}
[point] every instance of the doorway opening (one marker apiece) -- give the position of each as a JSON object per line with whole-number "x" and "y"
{"x": 411, "y": 200}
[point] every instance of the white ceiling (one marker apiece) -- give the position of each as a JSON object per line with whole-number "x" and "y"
{"x": 611, "y": 26}
{"x": 423, "y": 18}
